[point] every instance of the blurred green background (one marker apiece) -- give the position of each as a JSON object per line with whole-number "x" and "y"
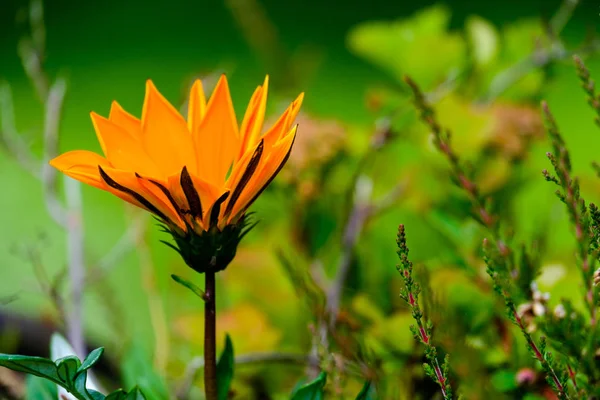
{"x": 106, "y": 50}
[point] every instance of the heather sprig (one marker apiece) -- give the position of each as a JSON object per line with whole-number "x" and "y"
{"x": 423, "y": 330}
{"x": 507, "y": 263}
{"x": 556, "y": 379}
{"x": 501, "y": 260}
{"x": 579, "y": 214}
{"x": 589, "y": 86}
{"x": 582, "y": 348}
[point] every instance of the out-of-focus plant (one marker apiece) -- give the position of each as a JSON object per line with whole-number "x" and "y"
{"x": 330, "y": 218}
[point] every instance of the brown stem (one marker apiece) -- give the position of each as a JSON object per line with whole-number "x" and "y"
{"x": 210, "y": 346}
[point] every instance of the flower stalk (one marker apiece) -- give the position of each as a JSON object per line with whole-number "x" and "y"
{"x": 210, "y": 337}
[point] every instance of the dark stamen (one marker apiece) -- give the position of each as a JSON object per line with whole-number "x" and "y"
{"x": 191, "y": 194}
{"x": 274, "y": 174}
{"x": 216, "y": 209}
{"x": 167, "y": 194}
{"x": 110, "y": 182}
{"x": 250, "y": 169}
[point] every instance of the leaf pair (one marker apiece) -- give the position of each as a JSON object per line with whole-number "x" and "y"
{"x": 68, "y": 372}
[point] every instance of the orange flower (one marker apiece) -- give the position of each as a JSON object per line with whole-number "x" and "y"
{"x": 196, "y": 175}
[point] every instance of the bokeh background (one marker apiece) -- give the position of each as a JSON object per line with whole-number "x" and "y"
{"x": 348, "y": 57}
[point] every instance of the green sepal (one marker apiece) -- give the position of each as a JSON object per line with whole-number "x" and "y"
{"x": 185, "y": 283}
{"x": 210, "y": 250}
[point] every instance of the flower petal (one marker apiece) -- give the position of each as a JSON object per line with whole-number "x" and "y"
{"x": 165, "y": 134}
{"x": 196, "y": 106}
{"x": 284, "y": 123}
{"x": 122, "y": 149}
{"x": 252, "y": 123}
{"x": 216, "y": 139}
{"x": 267, "y": 170}
{"x": 82, "y": 165}
{"x": 130, "y": 186}
{"x": 126, "y": 121}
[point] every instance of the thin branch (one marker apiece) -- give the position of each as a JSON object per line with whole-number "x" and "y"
{"x": 11, "y": 138}
{"x": 563, "y": 16}
{"x": 76, "y": 263}
{"x": 359, "y": 213}
{"x": 541, "y": 57}
{"x": 362, "y": 210}
{"x": 53, "y": 107}
{"x": 32, "y": 53}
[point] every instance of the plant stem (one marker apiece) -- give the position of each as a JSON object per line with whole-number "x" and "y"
{"x": 210, "y": 346}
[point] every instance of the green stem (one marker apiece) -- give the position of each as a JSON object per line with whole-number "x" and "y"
{"x": 210, "y": 347}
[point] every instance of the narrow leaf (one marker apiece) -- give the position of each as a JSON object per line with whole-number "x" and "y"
{"x": 134, "y": 394}
{"x": 225, "y": 369}
{"x": 312, "y": 390}
{"x": 184, "y": 282}
{"x": 365, "y": 392}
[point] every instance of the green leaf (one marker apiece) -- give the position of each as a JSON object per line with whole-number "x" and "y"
{"x": 96, "y": 395}
{"x": 365, "y": 392}
{"x": 225, "y": 369}
{"x": 184, "y": 282}
{"x": 312, "y": 390}
{"x": 398, "y": 47}
{"x": 67, "y": 369}
{"x": 91, "y": 359}
{"x": 40, "y": 388}
{"x": 37, "y": 366}
{"x": 80, "y": 387}
{"x": 66, "y": 372}
{"x": 138, "y": 371}
{"x": 483, "y": 39}
{"x": 134, "y": 394}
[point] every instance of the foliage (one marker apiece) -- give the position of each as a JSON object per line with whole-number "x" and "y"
{"x": 68, "y": 372}
{"x": 496, "y": 302}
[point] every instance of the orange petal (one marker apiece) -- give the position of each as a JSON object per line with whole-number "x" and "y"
{"x": 82, "y": 165}
{"x": 121, "y": 148}
{"x": 196, "y": 106}
{"x": 128, "y": 186}
{"x": 165, "y": 134}
{"x": 252, "y": 123}
{"x": 268, "y": 169}
{"x": 125, "y": 120}
{"x": 284, "y": 123}
{"x": 216, "y": 140}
